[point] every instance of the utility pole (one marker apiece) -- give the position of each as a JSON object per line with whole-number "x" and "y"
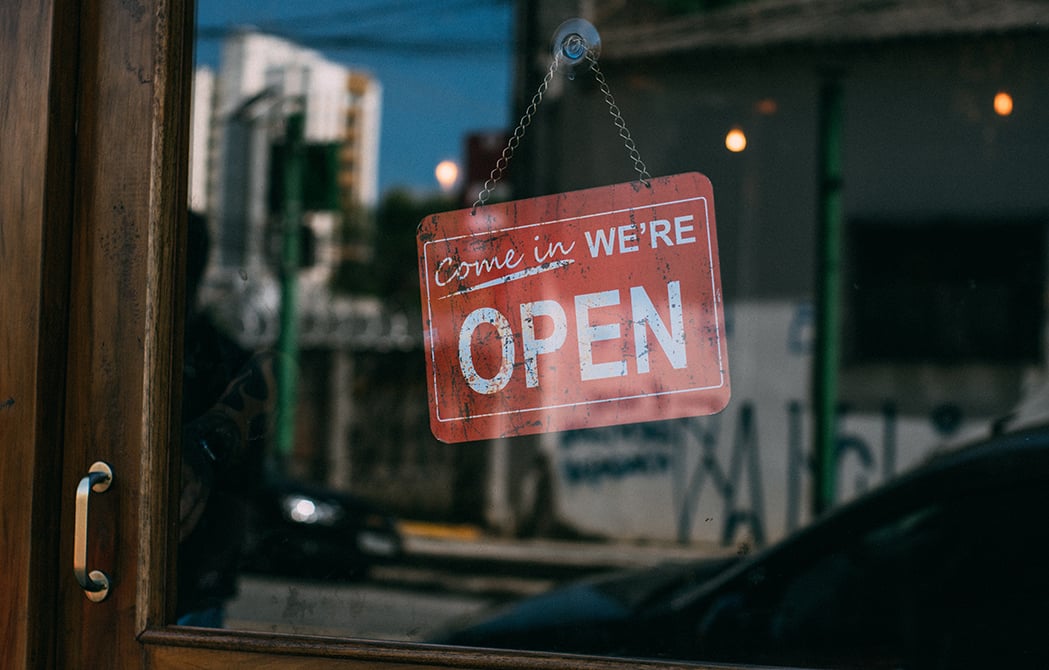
{"x": 287, "y": 342}
{"x": 828, "y": 313}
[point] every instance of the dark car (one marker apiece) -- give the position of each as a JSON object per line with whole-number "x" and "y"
{"x": 943, "y": 567}
{"x": 313, "y": 531}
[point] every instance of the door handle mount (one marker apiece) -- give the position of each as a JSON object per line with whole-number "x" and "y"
{"x": 95, "y": 582}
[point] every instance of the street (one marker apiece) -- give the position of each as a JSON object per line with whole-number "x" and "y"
{"x": 439, "y": 582}
{"x": 364, "y": 610}
{"x": 398, "y": 602}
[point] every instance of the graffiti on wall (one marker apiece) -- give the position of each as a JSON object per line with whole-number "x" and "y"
{"x": 713, "y": 459}
{"x": 744, "y": 473}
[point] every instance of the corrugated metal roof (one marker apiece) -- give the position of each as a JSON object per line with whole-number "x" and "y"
{"x": 773, "y": 23}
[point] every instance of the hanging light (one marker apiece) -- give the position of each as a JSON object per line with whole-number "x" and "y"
{"x": 447, "y": 174}
{"x": 1003, "y": 104}
{"x": 735, "y": 141}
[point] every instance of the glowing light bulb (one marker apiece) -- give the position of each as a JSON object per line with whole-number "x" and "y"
{"x": 447, "y": 173}
{"x": 1003, "y": 104}
{"x": 735, "y": 141}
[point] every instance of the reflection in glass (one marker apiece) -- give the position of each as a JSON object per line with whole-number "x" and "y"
{"x": 362, "y": 524}
{"x": 1003, "y": 104}
{"x": 735, "y": 140}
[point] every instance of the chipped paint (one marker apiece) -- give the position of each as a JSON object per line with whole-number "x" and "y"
{"x": 590, "y": 308}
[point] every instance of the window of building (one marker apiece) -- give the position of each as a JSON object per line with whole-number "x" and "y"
{"x": 946, "y": 292}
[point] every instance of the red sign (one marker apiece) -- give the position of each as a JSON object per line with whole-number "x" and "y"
{"x": 582, "y": 309}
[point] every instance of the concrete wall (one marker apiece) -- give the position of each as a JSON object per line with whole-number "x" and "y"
{"x": 921, "y": 142}
{"x": 742, "y": 475}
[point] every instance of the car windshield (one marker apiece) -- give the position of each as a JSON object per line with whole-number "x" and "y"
{"x": 589, "y": 326}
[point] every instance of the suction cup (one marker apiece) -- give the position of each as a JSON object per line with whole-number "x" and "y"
{"x": 573, "y": 41}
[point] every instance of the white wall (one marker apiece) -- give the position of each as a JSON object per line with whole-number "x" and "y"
{"x": 684, "y": 480}
{"x": 201, "y": 118}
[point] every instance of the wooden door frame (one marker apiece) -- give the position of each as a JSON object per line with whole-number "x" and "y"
{"x": 94, "y": 110}
{"x": 132, "y": 67}
{"x": 37, "y": 114}
{"x": 93, "y": 267}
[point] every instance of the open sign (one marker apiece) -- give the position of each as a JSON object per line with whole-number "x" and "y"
{"x": 588, "y": 308}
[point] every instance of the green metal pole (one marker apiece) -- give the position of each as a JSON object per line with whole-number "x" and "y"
{"x": 287, "y": 343}
{"x": 828, "y": 314}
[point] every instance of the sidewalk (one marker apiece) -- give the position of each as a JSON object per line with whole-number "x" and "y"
{"x": 468, "y": 549}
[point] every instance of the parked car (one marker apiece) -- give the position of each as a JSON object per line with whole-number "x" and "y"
{"x": 312, "y": 531}
{"x": 944, "y": 567}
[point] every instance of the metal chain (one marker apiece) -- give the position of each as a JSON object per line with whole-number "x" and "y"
{"x": 515, "y": 139}
{"x": 526, "y": 120}
{"x": 617, "y": 118}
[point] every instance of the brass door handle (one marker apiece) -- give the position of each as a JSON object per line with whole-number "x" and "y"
{"x": 95, "y": 583}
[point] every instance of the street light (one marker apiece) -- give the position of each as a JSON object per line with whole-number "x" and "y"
{"x": 735, "y": 141}
{"x": 1003, "y": 104}
{"x": 447, "y": 173}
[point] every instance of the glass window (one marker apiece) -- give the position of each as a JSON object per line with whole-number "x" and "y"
{"x": 869, "y": 495}
{"x": 969, "y": 277}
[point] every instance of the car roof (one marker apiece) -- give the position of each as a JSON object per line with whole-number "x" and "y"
{"x": 1000, "y": 461}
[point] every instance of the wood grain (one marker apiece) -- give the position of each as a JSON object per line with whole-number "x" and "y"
{"x": 181, "y": 648}
{"x": 37, "y": 42}
{"x": 129, "y": 198}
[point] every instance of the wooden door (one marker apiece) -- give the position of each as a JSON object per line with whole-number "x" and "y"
{"x": 95, "y": 111}
{"x": 35, "y": 215}
{"x": 89, "y": 180}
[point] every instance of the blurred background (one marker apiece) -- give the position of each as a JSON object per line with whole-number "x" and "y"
{"x": 878, "y": 173}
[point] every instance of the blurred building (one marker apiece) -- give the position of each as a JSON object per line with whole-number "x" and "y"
{"x": 239, "y": 116}
{"x": 944, "y": 222}
{"x": 359, "y": 155}
{"x": 237, "y": 141}
{"x": 483, "y": 151}
{"x": 201, "y": 151}
{"x": 939, "y": 137}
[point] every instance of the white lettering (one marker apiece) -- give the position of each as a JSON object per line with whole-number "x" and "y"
{"x": 547, "y": 345}
{"x": 602, "y": 240}
{"x": 589, "y": 334}
{"x": 478, "y": 383}
{"x": 659, "y": 230}
{"x": 669, "y": 334}
{"x": 627, "y": 233}
{"x": 645, "y": 317}
{"x": 552, "y": 250}
{"x": 448, "y": 271}
{"x": 680, "y": 230}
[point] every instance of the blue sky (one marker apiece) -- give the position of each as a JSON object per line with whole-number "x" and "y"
{"x": 445, "y": 66}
